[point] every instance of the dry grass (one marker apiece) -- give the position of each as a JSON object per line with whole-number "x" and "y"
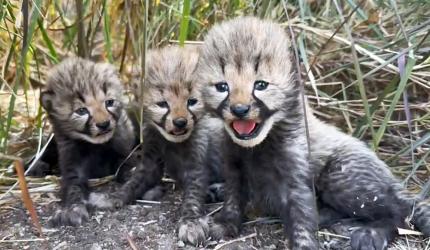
{"x": 366, "y": 65}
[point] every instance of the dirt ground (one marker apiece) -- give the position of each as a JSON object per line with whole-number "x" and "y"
{"x": 145, "y": 225}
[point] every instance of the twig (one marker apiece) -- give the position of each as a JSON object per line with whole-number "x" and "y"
{"x": 219, "y": 246}
{"x": 131, "y": 242}
{"x": 26, "y": 196}
{"x": 214, "y": 211}
{"x": 148, "y": 202}
{"x": 36, "y": 158}
{"x": 263, "y": 220}
{"x": 403, "y": 231}
{"x": 23, "y": 240}
{"x": 147, "y": 222}
{"x": 333, "y": 235}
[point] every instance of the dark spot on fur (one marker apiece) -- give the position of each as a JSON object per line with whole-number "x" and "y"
{"x": 257, "y": 62}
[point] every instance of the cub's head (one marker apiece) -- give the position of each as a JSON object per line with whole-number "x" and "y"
{"x": 82, "y": 99}
{"x": 245, "y": 74}
{"x": 171, "y": 102}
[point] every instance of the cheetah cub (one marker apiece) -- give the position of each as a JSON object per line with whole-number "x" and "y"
{"x": 177, "y": 139}
{"x": 92, "y": 130}
{"x": 247, "y": 75}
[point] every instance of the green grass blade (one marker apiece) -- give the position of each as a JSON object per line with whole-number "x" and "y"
{"x": 183, "y": 29}
{"x": 30, "y": 22}
{"x": 52, "y": 52}
{"x": 403, "y": 80}
{"x": 358, "y": 72}
{"x": 406, "y": 150}
{"x": 375, "y": 105}
{"x": 106, "y": 32}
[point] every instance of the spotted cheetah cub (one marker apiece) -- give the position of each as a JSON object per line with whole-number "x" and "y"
{"x": 92, "y": 130}
{"x": 177, "y": 139}
{"x": 247, "y": 75}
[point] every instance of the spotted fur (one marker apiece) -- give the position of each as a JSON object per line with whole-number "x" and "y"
{"x": 92, "y": 131}
{"x": 187, "y": 153}
{"x": 246, "y": 62}
{"x": 270, "y": 167}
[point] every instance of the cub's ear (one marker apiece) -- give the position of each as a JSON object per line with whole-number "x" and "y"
{"x": 46, "y": 97}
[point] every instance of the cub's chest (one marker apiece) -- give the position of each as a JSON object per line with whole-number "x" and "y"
{"x": 176, "y": 158}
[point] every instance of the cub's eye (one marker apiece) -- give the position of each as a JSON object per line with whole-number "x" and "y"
{"x": 82, "y": 111}
{"x": 221, "y": 87}
{"x": 192, "y": 101}
{"x": 260, "y": 85}
{"x": 162, "y": 104}
{"x": 109, "y": 103}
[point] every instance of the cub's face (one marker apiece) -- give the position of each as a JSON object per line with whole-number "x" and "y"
{"x": 82, "y": 99}
{"x": 245, "y": 75}
{"x": 174, "y": 111}
{"x": 172, "y": 103}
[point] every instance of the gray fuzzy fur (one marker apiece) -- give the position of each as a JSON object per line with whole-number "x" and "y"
{"x": 191, "y": 159}
{"x": 271, "y": 169}
{"x": 84, "y": 151}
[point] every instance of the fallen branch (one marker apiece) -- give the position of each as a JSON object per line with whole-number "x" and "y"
{"x": 131, "y": 242}
{"x": 26, "y": 195}
{"x": 219, "y": 246}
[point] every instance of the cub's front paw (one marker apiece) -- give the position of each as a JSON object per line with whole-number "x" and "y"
{"x": 193, "y": 231}
{"x": 105, "y": 201}
{"x": 220, "y": 228}
{"x": 368, "y": 239}
{"x": 74, "y": 215}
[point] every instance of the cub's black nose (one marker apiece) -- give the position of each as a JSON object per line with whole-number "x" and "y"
{"x": 240, "y": 110}
{"x": 103, "y": 125}
{"x": 180, "y": 122}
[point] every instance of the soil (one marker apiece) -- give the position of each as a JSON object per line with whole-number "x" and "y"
{"x": 143, "y": 225}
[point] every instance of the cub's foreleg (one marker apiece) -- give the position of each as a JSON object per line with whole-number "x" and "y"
{"x": 193, "y": 227}
{"x": 228, "y": 221}
{"x": 148, "y": 174}
{"x": 74, "y": 188}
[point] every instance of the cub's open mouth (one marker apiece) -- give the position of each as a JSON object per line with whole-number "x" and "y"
{"x": 246, "y": 129}
{"x": 178, "y": 132}
{"x": 104, "y": 132}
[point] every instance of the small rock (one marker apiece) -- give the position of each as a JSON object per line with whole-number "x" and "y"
{"x": 180, "y": 244}
{"x": 62, "y": 245}
{"x": 95, "y": 246}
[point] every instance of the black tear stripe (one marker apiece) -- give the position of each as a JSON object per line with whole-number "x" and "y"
{"x": 194, "y": 117}
{"x": 265, "y": 111}
{"x": 113, "y": 114}
{"x": 87, "y": 129}
{"x": 163, "y": 119}
{"x": 222, "y": 106}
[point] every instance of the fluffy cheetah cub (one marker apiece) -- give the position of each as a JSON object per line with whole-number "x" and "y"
{"x": 92, "y": 130}
{"x": 177, "y": 139}
{"x": 247, "y": 75}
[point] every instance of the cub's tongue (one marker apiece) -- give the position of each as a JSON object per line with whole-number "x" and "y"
{"x": 244, "y": 127}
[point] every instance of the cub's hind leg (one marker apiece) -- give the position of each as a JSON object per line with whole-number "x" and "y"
{"x": 358, "y": 185}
